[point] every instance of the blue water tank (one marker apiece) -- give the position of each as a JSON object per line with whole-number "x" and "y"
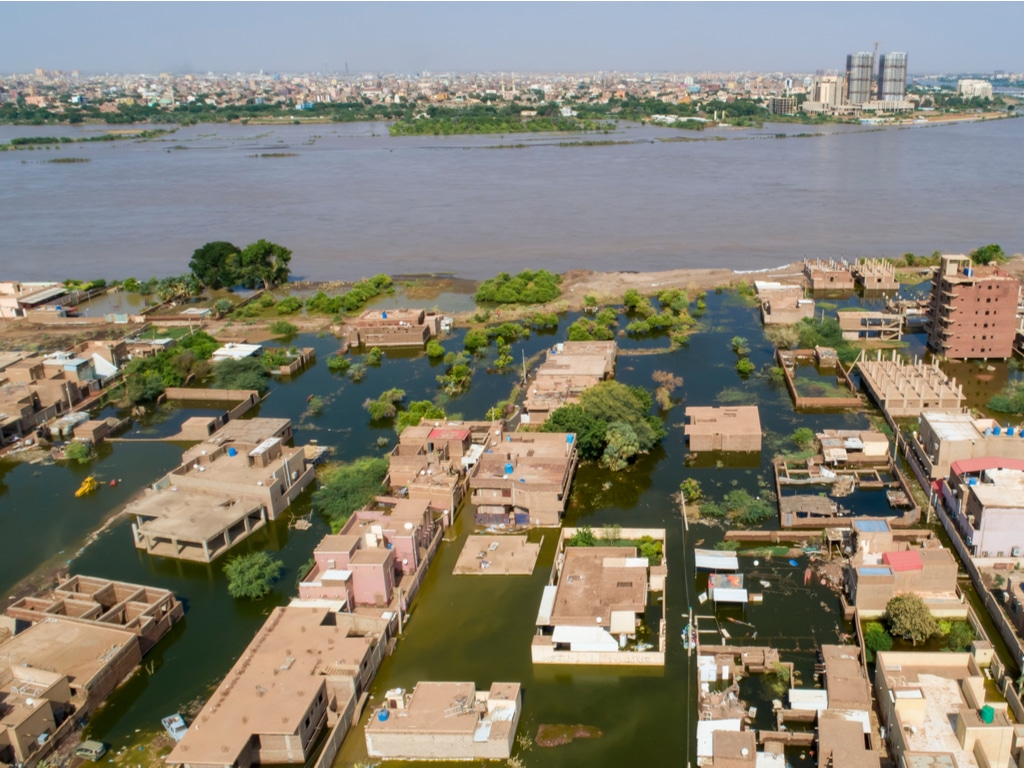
{"x": 232, "y": 451}
{"x": 996, "y": 430}
{"x": 570, "y": 439}
{"x": 509, "y": 468}
{"x": 384, "y": 315}
{"x": 1009, "y": 431}
{"x": 969, "y": 272}
{"x": 972, "y": 481}
{"x": 383, "y": 715}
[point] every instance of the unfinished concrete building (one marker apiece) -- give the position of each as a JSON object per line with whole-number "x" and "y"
{"x": 446, "y": 721}
{"x": 83, "y": 640}
{"x": 905, "y": 389}
{"x": 828, "y": 275}
{"x": 147, "y": 612}
{"x": 17, "y": 299}
{"x": 571, "y": 368}
{"x": 736, "y": 428}
{"x": 219, "y": 495}
{"x": 523, "y": 478}
{"x": 876, "y": 275}
{"x": 302, "y": 672}
{"x": 945, "y": 437}
{"x": 783, "y": 304}
{"x": 861, "y": 325}
{"x": 972, "y": 312}
{"x": 938, "y": 710}
{"x": 392, "y": 328}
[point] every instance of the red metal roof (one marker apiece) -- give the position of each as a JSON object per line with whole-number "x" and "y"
{"x": 448, "y": 433}
{"x": 903, "y": 561}
{"x": 968, "y": 466}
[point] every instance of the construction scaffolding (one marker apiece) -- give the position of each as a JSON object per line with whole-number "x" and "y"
{"x": 905, "y": 389}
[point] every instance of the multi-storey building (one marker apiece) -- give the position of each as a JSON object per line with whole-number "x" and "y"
{"x": 892, "y": 77}
{"x": 859, "y": 68}
{"x": 968, "y": 89}
{"x": 972, "y": 312}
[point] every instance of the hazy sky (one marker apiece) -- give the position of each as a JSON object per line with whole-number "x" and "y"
{"x": 412, "y": 37}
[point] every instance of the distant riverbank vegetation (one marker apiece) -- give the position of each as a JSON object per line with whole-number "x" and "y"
{"x": 459, "y": 124}
{"x": 41, "y": 142}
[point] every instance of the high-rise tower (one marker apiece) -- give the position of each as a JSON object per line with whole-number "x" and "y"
{"x": 859, "y": 69}
{"x": 892, "y": 77}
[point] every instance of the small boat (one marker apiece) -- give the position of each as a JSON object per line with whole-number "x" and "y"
{"x": 88, "y": 486}
{"x": 175, "y": 726}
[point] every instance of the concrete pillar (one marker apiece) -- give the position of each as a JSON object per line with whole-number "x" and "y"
{"x": 206, "y": 550}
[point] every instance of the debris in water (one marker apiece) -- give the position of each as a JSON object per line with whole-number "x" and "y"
{"x": 553, "y": 735}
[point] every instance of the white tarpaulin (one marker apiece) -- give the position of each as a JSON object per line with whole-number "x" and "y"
{"x": 713, "y": 560}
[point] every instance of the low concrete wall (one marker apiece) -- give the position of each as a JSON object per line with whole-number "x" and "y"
{"x": 346, "y": 718}
{"x": 546, "y": 654}
{"x": 249, "y": 398}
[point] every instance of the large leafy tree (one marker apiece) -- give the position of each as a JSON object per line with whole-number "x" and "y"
{"x": 910, "y": 618}
{"x": 988, "y": 254}
{"x": 348, "y": 487}
{"x": 253, "y": 575}
{"x": 263, "y": 264}
{"x": 589, "y": 431}
{"x": 212, "y": 264}
{"x": 247, "y": 373}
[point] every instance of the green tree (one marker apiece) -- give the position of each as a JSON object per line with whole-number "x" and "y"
{"x": 223, "y": 306}
{"x": 262, "y": 265}
{"x": 621, "y": 446}
{"x": 690, "y": 489}
{"x": 876, "y": 638}
{"x": 740, "y": 345}
{"x": 631, "y": 299}
{"x": 289, "y": 305}
{"x": 247, "y": 373}
{"x": 528, "y": 287}
{"x": 386, "y": 404}
{"x": 960, "y": 636}
{"x": 283, "y": 328}
{"x": 79, "y": 451}
{"x": 374, "y": 356}
{"x": 910, "y": 618}
{"x": 475, "y": 339}
{"x": 744, "y": 366}
{"x": 589, "y": 431}
{"x": 434, "y": 349}
{"x": 252, "y": 575}
{"x": 210, "y": 266}
{"x": 988, "y": 254}
{"x": 612, "y": 401}
{"x": 417, "y": 411}
{"x": 348, "y": 487}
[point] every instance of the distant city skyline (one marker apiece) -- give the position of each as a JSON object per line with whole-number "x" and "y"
{"x": 136, "y": 37}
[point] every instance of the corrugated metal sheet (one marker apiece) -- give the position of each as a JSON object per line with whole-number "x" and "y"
{"x": 712, "y": 560}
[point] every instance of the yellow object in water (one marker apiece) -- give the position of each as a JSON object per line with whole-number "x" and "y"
{"x": 88, "y": 486}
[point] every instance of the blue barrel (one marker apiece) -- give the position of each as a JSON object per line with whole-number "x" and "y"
{"x": 570, "y": 439}
{"x": 232, "y": 451}
{"x": 383, "y": 715}
{"x": 509, "y": 468}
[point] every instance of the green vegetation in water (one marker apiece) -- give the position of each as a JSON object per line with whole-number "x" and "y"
{"x": 1010, "y": 400}
{"x": 599, "y": 328}
{"x": 79, "y": 451}
{"x": 353, "y": 299}
{"x": 283, "y": 328}
{"x": 345, "y": 488}
{"x": 527, "y": 287}
{"x": 674, "y": 316}
{"x": 252, "y": 576}
{"x": 67, "y": 160}
{"x": 812, "y": 332}
{"x": 774, "y": 684}
{"x": 667, "y": 383}
{"x": 274, "y": 154}
{"x": 386, "y": 405}
{"x": 739, "y": 506}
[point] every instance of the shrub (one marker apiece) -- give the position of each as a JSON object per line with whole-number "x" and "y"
{"x": 744, "y": 366}
{"x": 876, "y": 637}
{"x": 289, "y": 306}
{"x": 434, "y": 349}
{"x": 803, "y": 437}
{"x": 374, "y": 356}
{"x": 910, "y": 618}
{"x": 283, "y": 328}
{"x": 247, "y": 373}
{"x": 475, "y": 339}
{"x": 253, "y": 575}
{"x": 527, "y": 287}
{"x": 584, "y": 537}
{"x": 386, "y": 404}
{"x": 79, "y": 451}
{"x": 338, "y": 363}
{"x": 690, "y": 489}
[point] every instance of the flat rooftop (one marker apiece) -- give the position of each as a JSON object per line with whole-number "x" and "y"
{"x": 955, "y": 426}
{"x": 448, "y": 708}
{"x": 190, "y": 514}
{"x": 595, "y": 581}
{"x": 79, "y": 651}
{"x": 847, "y": 687}
{"x": 497, "y": 556}
{"x": 271, "y": 686}
{"x": 737, "y": 420}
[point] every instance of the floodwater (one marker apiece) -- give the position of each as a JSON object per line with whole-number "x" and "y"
{"x": 463, "y": 628}
{"x": 350, "y": 201}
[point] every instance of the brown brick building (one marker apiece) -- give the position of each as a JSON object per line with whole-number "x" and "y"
{"x": 973, "y": 310}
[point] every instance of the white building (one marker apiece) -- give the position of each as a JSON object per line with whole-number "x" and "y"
{"x": 968, "y": 89}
